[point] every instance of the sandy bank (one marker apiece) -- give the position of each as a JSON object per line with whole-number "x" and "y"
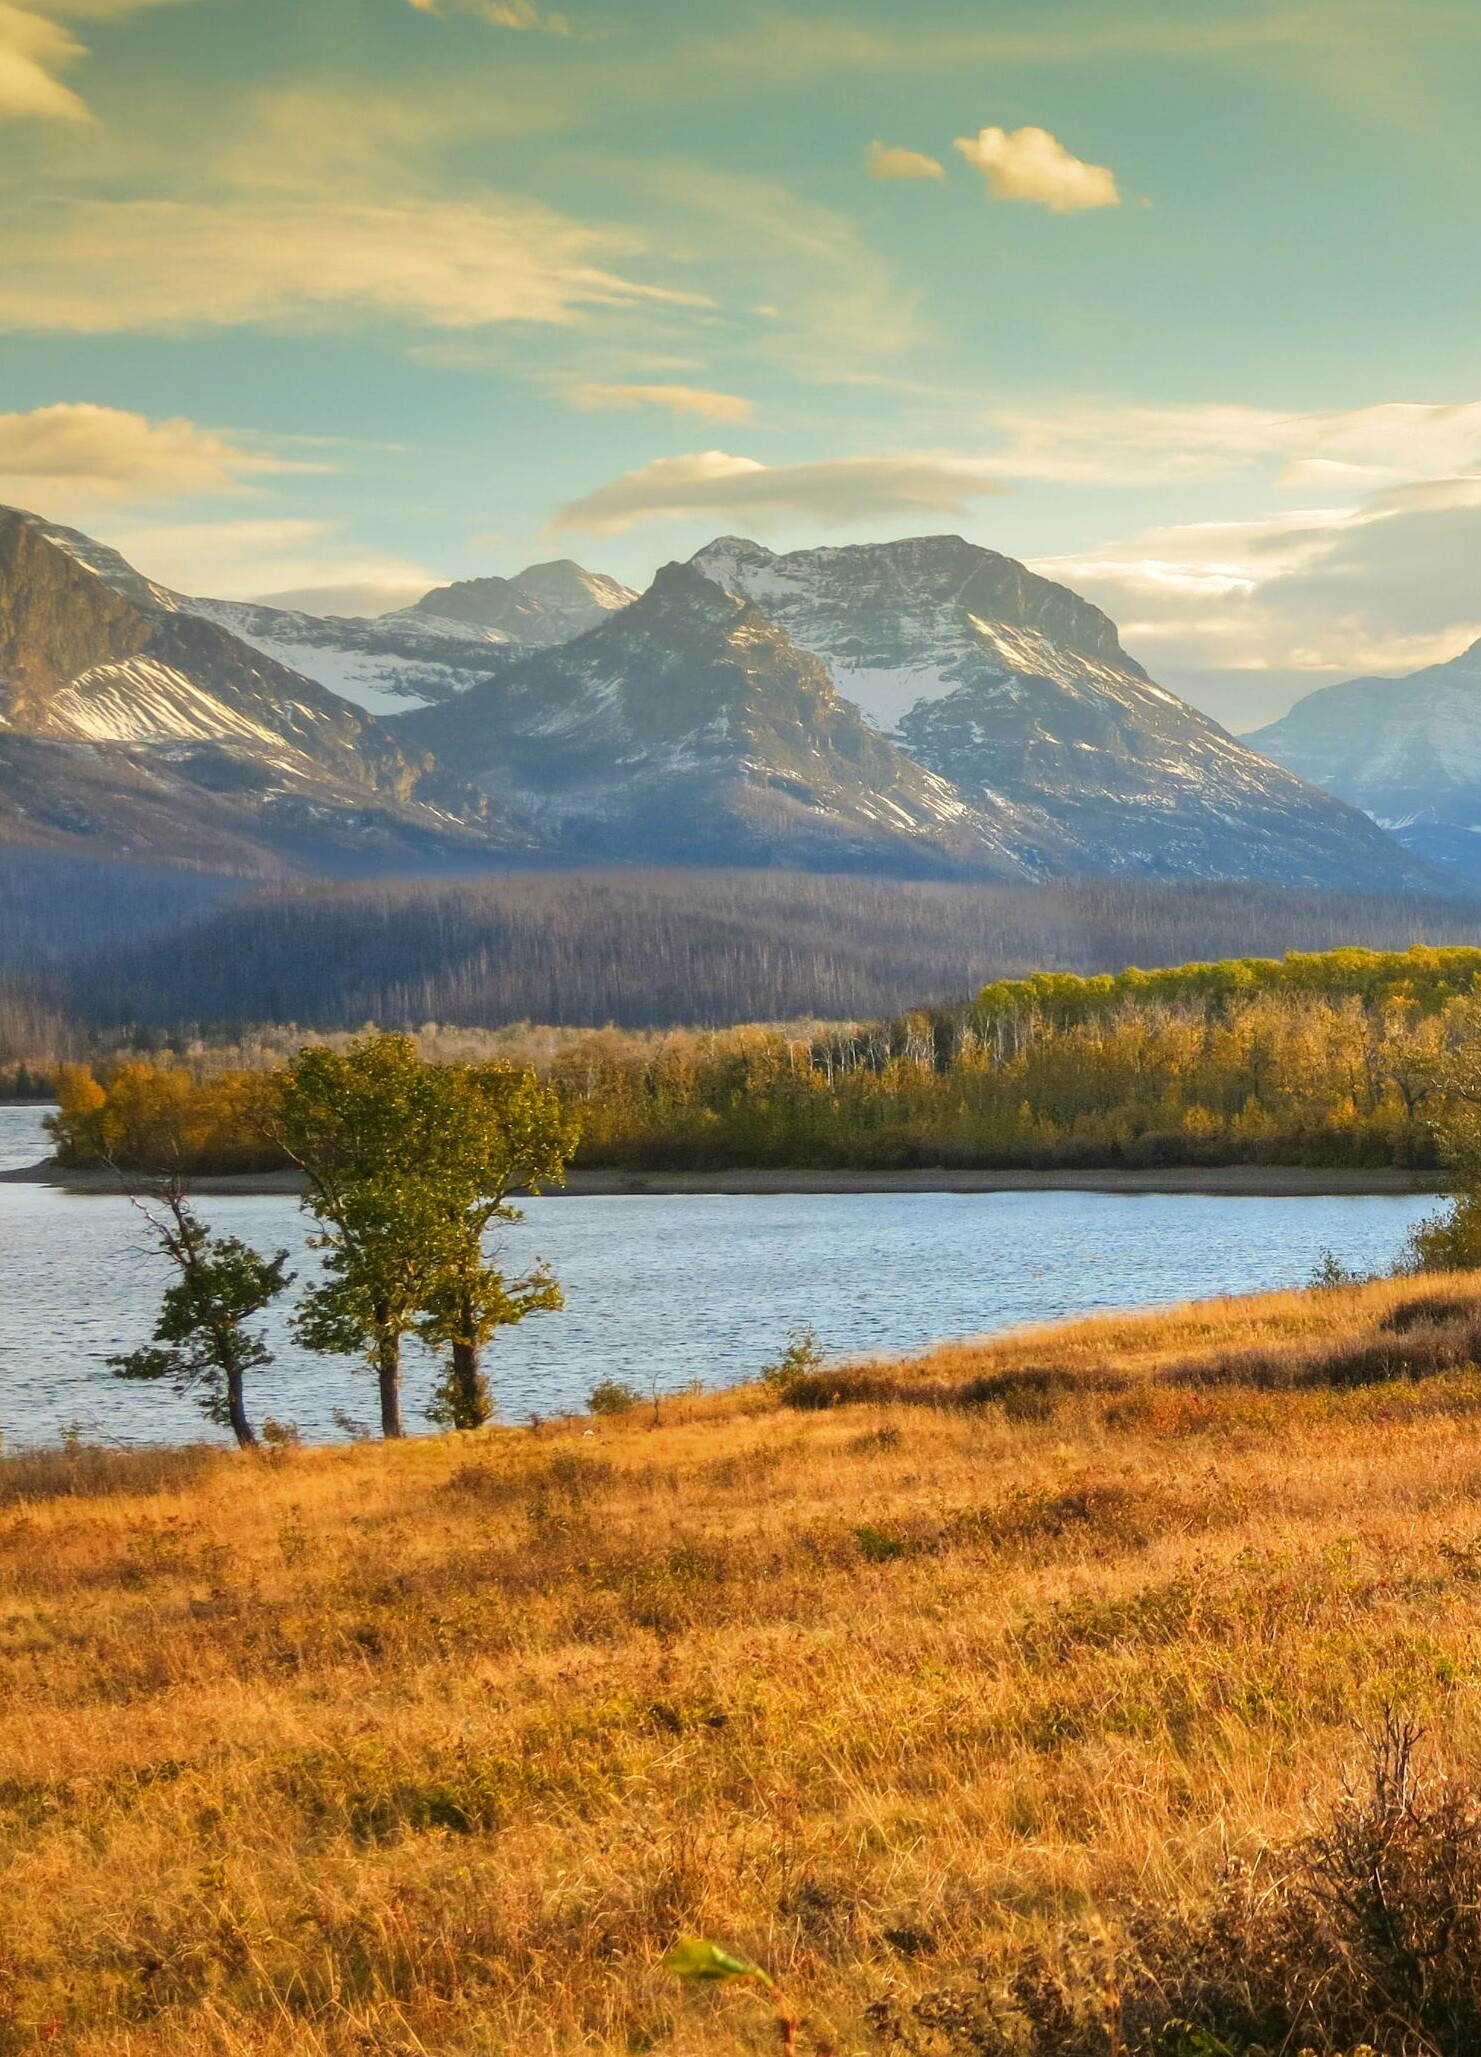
{"x": 1251, "y": 1180}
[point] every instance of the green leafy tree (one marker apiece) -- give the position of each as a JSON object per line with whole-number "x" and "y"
{"x": 384, "y": 1249}
{"x": 470, "y": 1302}
{"x": 408, "y": 1165}
{"x": 500, "y": 1131}
{"x": 202, "y": 1342}
{"x": 354, "y": 1122}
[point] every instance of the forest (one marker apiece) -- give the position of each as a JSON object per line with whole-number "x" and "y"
{"x": 114, "y": 949}
{"x": 1342, "y": 1058}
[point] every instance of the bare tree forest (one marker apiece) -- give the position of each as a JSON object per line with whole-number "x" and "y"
{"x": 649, "y": 949}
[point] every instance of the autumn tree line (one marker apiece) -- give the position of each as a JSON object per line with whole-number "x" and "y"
{"x": 1340, "y": 1058}
{"x": 406, "y": 1166}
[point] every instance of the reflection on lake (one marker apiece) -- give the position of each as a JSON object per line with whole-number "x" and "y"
{"x": 660, "y": 1289}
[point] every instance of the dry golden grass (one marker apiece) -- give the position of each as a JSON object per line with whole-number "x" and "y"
{"x": 436, "y": 1747}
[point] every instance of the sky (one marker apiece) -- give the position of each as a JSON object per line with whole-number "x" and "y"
{"x": 1176, "y": 300}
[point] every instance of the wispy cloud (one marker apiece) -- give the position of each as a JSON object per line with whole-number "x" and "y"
{"x": 594, "y": 396}
{"x": 285, "y": 558}
{"x": 56, "y": 458}
{"x": 33, "y": 52}
{"x": 887, "y": 161}
{"x": 36, "y": 48}
{"x": 1382, "y": 585}
{"x": 713, "y": 485}
{"x": 1031, "y": 164}
{"x": 1094, "y": 442}
{"x": 503, "y": 14}
{"x": 831, "y": 302}
{"x": 98, "y": 267}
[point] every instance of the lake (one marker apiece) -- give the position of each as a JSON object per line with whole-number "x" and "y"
{"x": 660, "y": 1289}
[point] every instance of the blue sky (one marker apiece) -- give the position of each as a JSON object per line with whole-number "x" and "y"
{"x": 1178, "y": 302}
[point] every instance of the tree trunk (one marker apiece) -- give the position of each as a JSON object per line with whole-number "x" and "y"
{"x": 388, "y": 1375}
{"x": 236, "y": 1406}
{"x": 471, "y": 1405}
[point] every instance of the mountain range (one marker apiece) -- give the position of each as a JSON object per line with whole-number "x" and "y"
{"x": 921, "y": 708}
{"x": 134, "y": 727}
{"x": 1405, "y": 750}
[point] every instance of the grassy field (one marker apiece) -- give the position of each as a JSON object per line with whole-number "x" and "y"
{"x": 1005, "y": 1704}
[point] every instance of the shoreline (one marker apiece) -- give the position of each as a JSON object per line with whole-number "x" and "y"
{"x": 1248, "y": 1181}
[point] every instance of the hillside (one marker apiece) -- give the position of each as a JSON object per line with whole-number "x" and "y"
{"x": 654, "y": 948}
{"x": 1009, "y": 1703}
{"x": 132, "y": 728}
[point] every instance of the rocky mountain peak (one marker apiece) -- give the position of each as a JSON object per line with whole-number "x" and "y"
{"x": 540, "y": 606}
{"x": 898, "y": 623}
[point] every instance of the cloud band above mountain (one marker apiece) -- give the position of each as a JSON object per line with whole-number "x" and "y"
{"x": 712, "y": 485}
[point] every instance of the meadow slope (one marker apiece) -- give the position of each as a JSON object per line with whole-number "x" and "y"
{"x": 437, "y": 1747}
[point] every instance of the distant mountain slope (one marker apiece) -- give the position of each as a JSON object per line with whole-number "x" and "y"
{"x": 131, "y": 726}
{"x": 687, "y": 728}
{"x": 450, "y": 640}
{"x": 1018, "y": 692}
{"x": 389, "y": 664}
{"x": 1405, "y": 750}
{"x": 543, "y": 605}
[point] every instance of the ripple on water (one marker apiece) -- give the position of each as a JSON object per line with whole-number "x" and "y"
{"x": 660, "y": 1289}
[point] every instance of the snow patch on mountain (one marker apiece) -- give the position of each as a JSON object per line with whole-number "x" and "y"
{"x": 144, "y": 701}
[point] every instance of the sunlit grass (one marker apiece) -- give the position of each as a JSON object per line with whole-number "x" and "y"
{"x": 440, "y": 1746}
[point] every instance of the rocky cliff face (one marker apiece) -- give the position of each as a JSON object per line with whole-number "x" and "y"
{"x": 139, "y": 727}
{"x": 689, "y": 728}
{"x": 1018, "y": 693}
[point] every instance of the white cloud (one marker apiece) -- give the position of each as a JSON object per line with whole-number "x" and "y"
{"x": 32, "y": 52}
{"x": 252, "y": 559}
{"x": 99, "y": 267}
{"x": 593, "y": 396}
{"x": 1030, "y": 164}
{"x": 355, "y": 596}
{"x": 1350, "y": 448}
{"x": 1383, "y": 585}
{"x": 712, "y": 485}
{"x": 74, "y": 454}
{"x": 885, "y": 161}
{"x": 35, "y": 47}
{"x": 505, "y": 14}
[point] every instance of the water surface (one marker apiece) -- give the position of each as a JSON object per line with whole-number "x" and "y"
{"x": 661, "y": 1289}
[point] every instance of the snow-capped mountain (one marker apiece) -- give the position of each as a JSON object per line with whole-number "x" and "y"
{"x": 541, "y": 606}
{"x": 388, "y": 664}
{"x": 1405, "y": 750}
{"x": 136, "y": 727}
{"x": 452, "y": 639}
{"x": 1019, "y": 693}
{"x": 689, "y": 728}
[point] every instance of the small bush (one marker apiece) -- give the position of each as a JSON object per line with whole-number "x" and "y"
{"x": 612, "y": 1396}
{"x": 1365, "y": 1937}
{"x": 1427, "y": 1308}
{"x": 801, "y": 1359}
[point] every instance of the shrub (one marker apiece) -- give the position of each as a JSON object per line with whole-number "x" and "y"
{"x": 612, "y": 1396}
{"x": 802, "y": 1357}
{"x": 1365, "y": 1937}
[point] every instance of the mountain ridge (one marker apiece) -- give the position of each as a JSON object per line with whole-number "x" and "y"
{"x": 128, "y": 722}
